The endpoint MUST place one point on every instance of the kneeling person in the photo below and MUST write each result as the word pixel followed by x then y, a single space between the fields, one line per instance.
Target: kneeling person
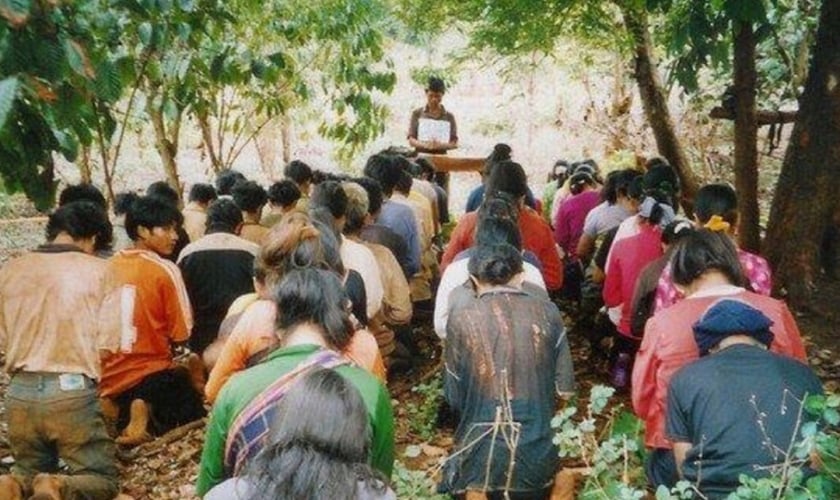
pixel 59 308
pixel 153 395
pixel 735 410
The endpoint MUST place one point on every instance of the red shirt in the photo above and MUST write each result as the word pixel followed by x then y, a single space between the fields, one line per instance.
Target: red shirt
pixel 668 345
pixel 536 237
pixel 627 259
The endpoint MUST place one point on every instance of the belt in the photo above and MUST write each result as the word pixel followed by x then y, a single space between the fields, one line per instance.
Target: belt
pixel 65 381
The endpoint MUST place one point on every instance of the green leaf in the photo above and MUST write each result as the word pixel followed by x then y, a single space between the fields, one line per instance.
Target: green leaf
pixel 67 144
pixel 8 93
pixel 108 84
pixel 831 416
pixel 186 5
pixel 16 12
pixel 145 31
pixel 184 31
pixel 77 59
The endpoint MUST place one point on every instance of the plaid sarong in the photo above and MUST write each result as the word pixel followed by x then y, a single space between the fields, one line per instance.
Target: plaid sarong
pixel 249 431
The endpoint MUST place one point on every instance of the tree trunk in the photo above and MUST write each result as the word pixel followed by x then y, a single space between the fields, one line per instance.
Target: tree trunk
pixel 746 136
pixel 806 192
pixel 655 103
pixel 166 148
pixel 207 134
pixel 85 169
pixel 286 138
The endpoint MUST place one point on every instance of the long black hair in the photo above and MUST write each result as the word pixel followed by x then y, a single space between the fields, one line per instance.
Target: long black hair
pixel 319 445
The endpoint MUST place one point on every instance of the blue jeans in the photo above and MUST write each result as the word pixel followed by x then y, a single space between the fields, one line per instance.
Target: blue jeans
pixel 47 422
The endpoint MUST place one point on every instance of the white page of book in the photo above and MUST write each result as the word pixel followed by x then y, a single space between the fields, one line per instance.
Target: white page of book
pixel 433 130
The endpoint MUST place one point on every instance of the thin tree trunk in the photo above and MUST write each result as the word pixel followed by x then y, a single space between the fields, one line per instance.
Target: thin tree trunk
pixel 806 196
pixel 746 136
pixel 166 148
pixel 655 103
pixel 85 169
pixel 207 134
pixel 286 138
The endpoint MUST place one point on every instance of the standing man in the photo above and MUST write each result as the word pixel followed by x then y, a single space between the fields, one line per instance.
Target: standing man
pixel 427 131
pixel 59 310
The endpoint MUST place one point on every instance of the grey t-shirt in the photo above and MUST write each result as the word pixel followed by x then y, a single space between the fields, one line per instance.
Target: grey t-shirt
pixel 602 218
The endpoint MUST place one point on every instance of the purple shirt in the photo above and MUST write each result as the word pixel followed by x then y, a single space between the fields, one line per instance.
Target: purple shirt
pixel 568 226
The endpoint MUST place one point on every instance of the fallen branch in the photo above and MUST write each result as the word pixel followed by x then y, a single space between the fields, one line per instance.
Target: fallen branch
pixel 762 117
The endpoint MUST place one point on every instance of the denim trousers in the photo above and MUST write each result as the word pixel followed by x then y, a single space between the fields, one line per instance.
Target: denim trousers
pixel 48 422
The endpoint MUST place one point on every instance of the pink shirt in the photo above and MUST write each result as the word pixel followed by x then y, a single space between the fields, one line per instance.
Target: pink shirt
pixel 755 269
pixel 568 225
pixel 668 345
pixel 626 261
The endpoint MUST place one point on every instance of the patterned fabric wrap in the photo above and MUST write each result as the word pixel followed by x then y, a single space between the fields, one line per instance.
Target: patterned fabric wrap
pixel 249 431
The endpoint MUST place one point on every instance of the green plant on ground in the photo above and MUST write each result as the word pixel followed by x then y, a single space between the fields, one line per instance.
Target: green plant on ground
pixel 422 415
pixel 608 441
pixel 414 484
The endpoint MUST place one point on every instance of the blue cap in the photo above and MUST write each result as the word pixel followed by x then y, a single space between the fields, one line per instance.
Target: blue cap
pixel 728 317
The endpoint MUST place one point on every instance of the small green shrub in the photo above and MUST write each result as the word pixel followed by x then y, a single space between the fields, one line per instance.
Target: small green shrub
pixel 414 484
pixel 422 416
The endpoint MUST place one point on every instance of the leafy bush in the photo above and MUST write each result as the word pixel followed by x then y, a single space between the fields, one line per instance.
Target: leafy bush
pixel 422 416
pixel 414 484
pixel 613 452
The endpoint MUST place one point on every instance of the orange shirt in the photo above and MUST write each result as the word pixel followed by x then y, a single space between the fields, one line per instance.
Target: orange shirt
pixel 255 332
pixel 155 315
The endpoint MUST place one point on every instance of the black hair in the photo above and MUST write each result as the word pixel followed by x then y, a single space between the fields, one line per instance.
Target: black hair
pixel 298 171
pixel 202 193
pixel 656 161
pixel 151 212
pixel 661 183
pixel 123 202
pixel 226 179
pixel 357 207
pixel 284 193
pixel 636 188
pixel 404 183
pixel 310 452
pixel 676 230
pixel 436 84
pixel 704 250
pixel 497 230
pixel 249 196
pixel 501 153
pixel 310 295
pixel 716 199
pixel 618 183
pixel 580 180
pixel 374 192
pixel 495 264
pixel 80 192
pixel 163 191
pixel 500 204
pixel 508 177
pixel 330 195
pixel 90 193
pixel 80 219
pixel 223 216
pixel 426 168
pixel 383 169
pixel 559 171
